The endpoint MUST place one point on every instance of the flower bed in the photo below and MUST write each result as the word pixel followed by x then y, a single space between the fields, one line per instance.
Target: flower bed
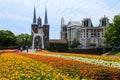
pixel 39 50
pixel 73 68
pixel 113 64
pixel 16 67
pixel 9 51
pixel 107 58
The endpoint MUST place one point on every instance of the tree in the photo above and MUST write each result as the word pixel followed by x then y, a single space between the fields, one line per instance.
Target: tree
pixel 74 43
pixel 112 32
pixel 24 39
pixel 7 38
pixel 93 44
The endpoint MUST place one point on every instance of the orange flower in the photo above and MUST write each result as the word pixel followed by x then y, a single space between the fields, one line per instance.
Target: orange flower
pixel 71 67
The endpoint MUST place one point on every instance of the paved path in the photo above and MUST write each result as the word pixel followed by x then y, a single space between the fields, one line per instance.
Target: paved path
pixel 30 51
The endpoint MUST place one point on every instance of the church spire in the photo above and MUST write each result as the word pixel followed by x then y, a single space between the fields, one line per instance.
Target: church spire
pixel 34 16
pixel 46 19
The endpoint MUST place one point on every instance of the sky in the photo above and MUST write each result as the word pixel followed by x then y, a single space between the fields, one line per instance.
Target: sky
pixel 17 15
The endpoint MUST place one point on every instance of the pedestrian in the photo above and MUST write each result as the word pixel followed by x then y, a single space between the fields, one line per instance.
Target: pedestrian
pixel 21 49
pixel 35 49
pixel 27 49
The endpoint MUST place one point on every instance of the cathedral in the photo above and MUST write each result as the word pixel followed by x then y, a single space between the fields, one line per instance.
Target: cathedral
pixel 39 32
pixel 84 31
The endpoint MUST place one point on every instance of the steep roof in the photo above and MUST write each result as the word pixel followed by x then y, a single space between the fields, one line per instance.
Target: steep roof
pixel 74 23
pixel 34 16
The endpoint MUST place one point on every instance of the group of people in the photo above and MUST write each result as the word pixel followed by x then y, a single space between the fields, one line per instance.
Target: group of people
pixel 26 47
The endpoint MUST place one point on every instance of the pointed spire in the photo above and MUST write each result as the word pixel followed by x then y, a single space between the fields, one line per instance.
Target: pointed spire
pixel 46 19
pixel 34 16
pixel 62 22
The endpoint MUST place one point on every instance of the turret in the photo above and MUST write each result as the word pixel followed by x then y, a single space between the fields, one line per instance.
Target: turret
pixel 46 19
pixel 104 21
pixel 39 22
pixel 62 22
pixel 87 22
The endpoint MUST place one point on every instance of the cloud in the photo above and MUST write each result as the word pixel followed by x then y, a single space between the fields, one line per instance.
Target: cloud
pixel 20 12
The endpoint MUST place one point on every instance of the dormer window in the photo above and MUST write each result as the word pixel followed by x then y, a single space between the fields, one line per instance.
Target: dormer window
pixel 104 21
pixel 87 22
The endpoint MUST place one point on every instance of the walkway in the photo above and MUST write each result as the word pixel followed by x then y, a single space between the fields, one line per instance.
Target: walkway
pixel 30 51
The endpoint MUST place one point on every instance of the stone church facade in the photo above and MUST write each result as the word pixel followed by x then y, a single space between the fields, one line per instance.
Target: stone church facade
pixel 39 32
pixel 84 31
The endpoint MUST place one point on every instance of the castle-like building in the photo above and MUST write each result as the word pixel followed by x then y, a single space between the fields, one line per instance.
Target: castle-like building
pixel 39 32
pixel 84 31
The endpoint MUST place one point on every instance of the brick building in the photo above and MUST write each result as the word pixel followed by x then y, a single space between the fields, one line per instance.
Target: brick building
pixel 39 32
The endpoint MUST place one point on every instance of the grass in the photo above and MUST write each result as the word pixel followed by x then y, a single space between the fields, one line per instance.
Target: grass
pixel 114 53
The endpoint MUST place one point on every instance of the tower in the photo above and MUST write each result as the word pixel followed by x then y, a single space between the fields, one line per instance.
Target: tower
pixel 62 23
pixel 46 30
pixel 34 25
pixel 37 32
pixel 34 16
pixel 39 22
pixel 46 19
pixel 63 32
pixel 104 21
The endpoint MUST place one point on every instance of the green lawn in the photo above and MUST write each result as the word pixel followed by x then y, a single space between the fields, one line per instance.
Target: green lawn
pixel 115 53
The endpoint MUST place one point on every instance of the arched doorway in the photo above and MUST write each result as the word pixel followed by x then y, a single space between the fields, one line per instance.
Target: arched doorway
pixel 40 43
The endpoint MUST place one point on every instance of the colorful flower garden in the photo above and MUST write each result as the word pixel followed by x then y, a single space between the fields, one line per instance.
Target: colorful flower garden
pixel 45 65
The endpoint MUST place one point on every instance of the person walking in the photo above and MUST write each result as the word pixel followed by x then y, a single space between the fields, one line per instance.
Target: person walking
pixel 21 49
pixel 27 49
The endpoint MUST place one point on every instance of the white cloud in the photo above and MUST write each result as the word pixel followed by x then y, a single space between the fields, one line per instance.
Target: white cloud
pixel 22 10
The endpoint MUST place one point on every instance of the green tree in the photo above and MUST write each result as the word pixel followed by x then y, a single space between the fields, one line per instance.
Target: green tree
pixel 7 38
pixel 93 44
pixel 24 39
pixel 112 32
pixel 74 43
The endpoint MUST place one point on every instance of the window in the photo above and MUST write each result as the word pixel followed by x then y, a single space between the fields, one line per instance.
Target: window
pixel 89 34
pixel 101 34
pixel 82 35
